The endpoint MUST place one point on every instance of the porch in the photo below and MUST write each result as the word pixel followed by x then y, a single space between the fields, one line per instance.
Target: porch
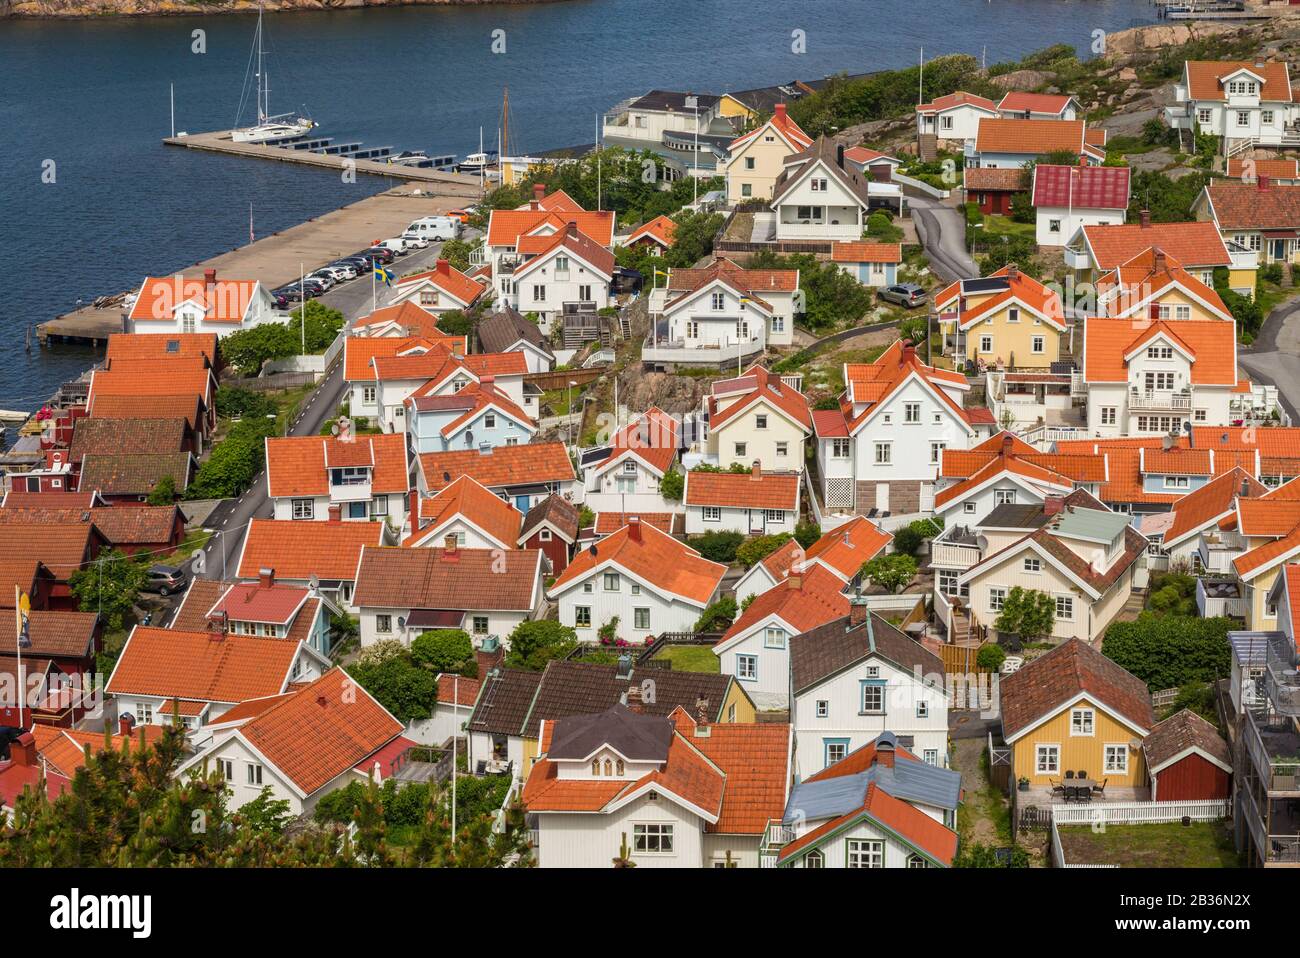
pixel 1043 796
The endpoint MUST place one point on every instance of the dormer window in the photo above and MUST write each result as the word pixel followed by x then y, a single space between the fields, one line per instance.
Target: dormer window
pixel 609 767
pixel 595 768
pixel 621 768
pixel 719 301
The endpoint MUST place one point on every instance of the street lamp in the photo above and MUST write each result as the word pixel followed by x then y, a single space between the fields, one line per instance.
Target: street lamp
pixel 693 104
pixel 568 408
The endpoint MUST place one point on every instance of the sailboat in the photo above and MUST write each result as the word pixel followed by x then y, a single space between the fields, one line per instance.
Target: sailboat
pixel 269 129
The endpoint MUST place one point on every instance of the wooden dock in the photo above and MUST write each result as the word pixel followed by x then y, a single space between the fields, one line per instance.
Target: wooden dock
pixel 275 259
pixel 220 142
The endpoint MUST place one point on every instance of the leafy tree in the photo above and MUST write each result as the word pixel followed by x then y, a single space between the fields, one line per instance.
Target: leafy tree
pixel 717 616
pixel 1171 651
pixel 323 326
pixel 807 532
pixel 234 462
pixel 533 644
pixel 693 237
pixel 235 402
pixel 1027 613
pixel 266 813
pixel 249 349
pixel 445 650
pixel 759 548
pixel 880 227
pixel 456 252
pixel 110 585
pixel 1173 594
pixel 1168 200
pixel 399 685
pixel 990 657
pixel 672 485
pixel 456 322
pixel 1246 311
pixel 831 296
pixel 163 492
pixel 586 517
pixel 717 546
pixel 907 540
pixel 890 572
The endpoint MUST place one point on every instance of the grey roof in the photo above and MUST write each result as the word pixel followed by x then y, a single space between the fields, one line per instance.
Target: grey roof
pixel 633 735
pixel 831 798
pixel 1097 524
pixel 504 701
pixel 498 332
pixel 835 646
pixel 1013 516
pixel 672 101
pixel 828 151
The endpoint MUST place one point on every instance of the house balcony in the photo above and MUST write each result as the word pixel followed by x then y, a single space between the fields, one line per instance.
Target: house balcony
pixel 1159 400
pixel 1077 259
pixel 1274 748
pixel 1217 597
pixel 350 492
pixel 1242 257
pixel 957 548
pixel 1218 549
pixel 682 352
pixel 775 837
pixel 1277 835
pixel 1180 116
pixel 1283 684
pixel 582 308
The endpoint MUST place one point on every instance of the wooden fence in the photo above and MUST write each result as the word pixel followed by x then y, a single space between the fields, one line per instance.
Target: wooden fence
pixel 560 378
pixel 273 381
pixel 1164 698
pixel 676 638
pixel 960 659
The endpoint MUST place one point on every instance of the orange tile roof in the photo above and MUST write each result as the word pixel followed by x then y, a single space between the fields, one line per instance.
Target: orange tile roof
pixel 458 580
pixel 755 758
pixel 1292 573
pixel 1266 516
pixel 1033 295
pixel 871 383
pixel 803 601
pixel 1252 206
pixel 1198 244
pixel 533 463
pixel 866 252
pixel 299 550
pixel 1209 503
pixel 913 825
pixel 1177 461
pixel 669 522
pixel 846 547
pixel 768 490
pixel 1000 135
pixel 506 227
pixel 458 689
pixel 1212 344
pixel 359 352
pixel 1273 441
pixel 1257 560
pixel 766 387
pixel 417 321
pixel 1002 465
pixel 142 377
pixel 65 748
pixel 655 557
pixel 299 465
pixel 202 666
pixel 466 499
pixel 226 301
pixel 753 281
pixel 1017 101
pixel 1204 79
pixel 557 200
pixel 783 124
pixel 652 437
pixel 321 731
pixel 953 100
pixel 447 278
pixel 865 155
pixel 136 346
pixel 1279 169
pixel 660 229
pixel 1142 279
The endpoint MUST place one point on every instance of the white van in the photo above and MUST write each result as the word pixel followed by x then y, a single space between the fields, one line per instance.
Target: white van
pixel 435 228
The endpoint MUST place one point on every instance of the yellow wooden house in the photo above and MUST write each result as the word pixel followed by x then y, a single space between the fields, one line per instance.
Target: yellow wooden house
pixel 1007 319
pixel 1074 710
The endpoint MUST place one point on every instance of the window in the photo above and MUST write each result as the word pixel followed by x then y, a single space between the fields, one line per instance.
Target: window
pixel 1243 118
pixel 916 861
pixel 489 420
pixel 741 450
pixel 595 768
pixel 873 697
pixel 1033 565
pixel 1065 608
pixel 922 709
pixel 480 625
pixel 254 774
pixel 1204 116
pixel 778 324
pixel 936 451
pixel 539 294
pixel 227 769
pixel 378 506
pixel 1053 226
pixel 997 596
pixel 823 708
pixel 883 453
pixel 641 618
pixel 1038 344
pixel 1161 352
pixel 303 509
pixel 760 422
pixel 731 712
pixel 636 589
pixel 782 449
pixel 749 162
pixel 1116 759
pixel 1004 497
pixel 145 710
pixel 1266 117
pixel 834 750
pixel 774 637
pixel 653 839
pixel 986 344
pixel 1176 482
pixel 775 516
pixel 1013 315
pixel 611 582
pixel 1083 722
pixel 747 667
pixel 582 616
pixel 544 535
pixel 817 184
pixel 969 508
pixel 911 412
pixel 746 189
pixel 712 513
pixel 383 624
pixel 930 756
pixel 865 854
pixel 1047 759
pixel 368 395
pixel 1109 415
pixel 1199 415
pixel 839 449
pixel 718 301
pixel 588 587
pixel 814 859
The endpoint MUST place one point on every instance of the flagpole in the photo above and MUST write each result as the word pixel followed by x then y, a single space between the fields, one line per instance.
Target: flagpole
pixel 18 645
pixel 455 700
pixel 374 286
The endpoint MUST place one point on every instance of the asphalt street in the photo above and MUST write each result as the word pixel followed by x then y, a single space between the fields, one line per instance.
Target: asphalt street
pixel 942 231
pixel 1274 358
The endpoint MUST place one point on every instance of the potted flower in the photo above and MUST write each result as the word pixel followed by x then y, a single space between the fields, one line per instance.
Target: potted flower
pixel 608 631
pixel 1024 783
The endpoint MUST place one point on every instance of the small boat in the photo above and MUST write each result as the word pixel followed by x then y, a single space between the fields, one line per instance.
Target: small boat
pixel 269 129
pixel 477 162
pixel 416 158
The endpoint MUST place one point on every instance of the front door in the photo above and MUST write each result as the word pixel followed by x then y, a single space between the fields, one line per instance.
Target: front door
pixel 522 503
pixel 756 522
pixel 1277 250
pixel 882 496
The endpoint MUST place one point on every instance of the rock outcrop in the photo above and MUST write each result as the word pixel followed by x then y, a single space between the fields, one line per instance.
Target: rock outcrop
pixel 81 9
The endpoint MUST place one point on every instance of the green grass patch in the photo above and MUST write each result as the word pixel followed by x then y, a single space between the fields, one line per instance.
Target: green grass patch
pixel 1168 845
pixel 690 658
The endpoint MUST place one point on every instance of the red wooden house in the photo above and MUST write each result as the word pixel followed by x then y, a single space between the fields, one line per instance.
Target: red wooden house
pixel 993 189
pixel 1187 759
pixel 552 527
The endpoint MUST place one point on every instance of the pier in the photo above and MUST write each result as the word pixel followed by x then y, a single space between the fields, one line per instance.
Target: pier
pixel 276 258
pixel 221 142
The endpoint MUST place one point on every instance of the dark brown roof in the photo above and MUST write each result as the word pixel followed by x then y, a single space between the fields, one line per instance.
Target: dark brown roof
pixel 1135 545
pixel 465 579
pixel 121 525
pixel 1181 731
pixel 824 149
pixel 504 702
pixel 833 647
pixel 561 514
pixel 61 547
pixel 1247 206
pixel 134 474
pixel 584 688
pixel 498 332
pixel 1040 688
pixel 117 436
pixel 60 634
pixel 202 595
pixel 634 735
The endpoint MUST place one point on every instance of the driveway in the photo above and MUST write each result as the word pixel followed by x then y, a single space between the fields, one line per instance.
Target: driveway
pixel 230 519
pixel 1274 358
pixel 942 231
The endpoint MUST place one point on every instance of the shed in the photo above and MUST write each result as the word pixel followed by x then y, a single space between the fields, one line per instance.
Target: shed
pixel 1187 759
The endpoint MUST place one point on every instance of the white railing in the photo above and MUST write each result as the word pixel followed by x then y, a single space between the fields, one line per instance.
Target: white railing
pixel 1058 853
pixel 920 186
pixel 1159 399
pixel 943 611
pixel 949 554
pixel 1135 813
pixel 679 351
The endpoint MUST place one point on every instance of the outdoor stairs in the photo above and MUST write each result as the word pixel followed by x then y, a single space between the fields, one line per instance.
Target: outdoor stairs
pixel 927 147
pixel 961 627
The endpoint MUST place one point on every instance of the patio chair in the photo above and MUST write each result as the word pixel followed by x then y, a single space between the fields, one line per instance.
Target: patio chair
pixel 1069 774
pixel 1055 785
pixel 1100 789
pixel 1081 774
pixel 1082 795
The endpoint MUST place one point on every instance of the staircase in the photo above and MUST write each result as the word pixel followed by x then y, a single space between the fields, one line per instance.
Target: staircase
pixel 961 631
pixel 927 147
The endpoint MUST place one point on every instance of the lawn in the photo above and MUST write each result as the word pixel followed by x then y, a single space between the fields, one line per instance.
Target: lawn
pixel 1171 845
pixel 690 658
pixel 194 539
pixel 995 225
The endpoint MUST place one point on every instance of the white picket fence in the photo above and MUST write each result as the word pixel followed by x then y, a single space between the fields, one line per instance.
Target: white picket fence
pixel 1129 813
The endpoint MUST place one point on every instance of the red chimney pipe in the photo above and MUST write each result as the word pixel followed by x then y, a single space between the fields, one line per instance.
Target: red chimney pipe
pixel 634 528
pixel 442 267
pixel 266 578
pixel 539 192
pixel 1146 219
pixel 780 110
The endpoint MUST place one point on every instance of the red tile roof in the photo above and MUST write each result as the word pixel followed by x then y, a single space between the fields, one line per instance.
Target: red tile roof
pixel 468 500
pixel 953 100
pixel 299 550
pixel 1081 187
pixel 653 556
pixel 992 179
pixel 783 125
pixel 1254 206
pixel 1209 503
pixel 254 602
pixel 455 580
pixel 225 301
pixel 1205 79
pixel 359 352
pixel 135 346
pixel 1279 169
pixel 866 252
pixel 652 437
pixel 447 278
pixel 201 666
pixel 1141 280
pixel 1211 343
pixel 610 522
pixel 870 384
pixel 1197 244
pixel 299 465
pixel 1038 137
pixel 766 387
pixel 507 227
pixel 660 229
pixel 755 758
pixel 458 689
pixel 846 547
pixel 768 490
pixel 534 463
pixel 803 601
pixel 1017 101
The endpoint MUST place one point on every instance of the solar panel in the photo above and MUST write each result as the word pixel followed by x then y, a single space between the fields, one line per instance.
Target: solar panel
pixel 989 284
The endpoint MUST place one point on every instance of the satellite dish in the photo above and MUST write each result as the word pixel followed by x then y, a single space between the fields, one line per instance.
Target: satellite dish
pixel 401 621
pixel 314 582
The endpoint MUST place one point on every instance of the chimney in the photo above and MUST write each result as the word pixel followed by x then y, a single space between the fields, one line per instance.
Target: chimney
pixel 1052 505
pixel 322 701
pixel 571 228
pixel 780 111
pixel 909 351
pixel 489 655
pixel 857 610
pixel 1007 442
pixel 1167 442
pixel 756 470
pixel 884 750
pixel 1013 272
pixel 335 512
pixel 1245 488
pixel 1158 260
pixel 209 278
pixel 414 509
pixel 124 724
pixel 1146 219
pixel 265 578
pixel 839 156
pixel 1262 183
pixel 442 268
pixel 486 380
pixel 624 671
pixel 23 750
pixel 451 552
pixel 634 698
pixel 634 528
pixel 539 192
pixel 794 582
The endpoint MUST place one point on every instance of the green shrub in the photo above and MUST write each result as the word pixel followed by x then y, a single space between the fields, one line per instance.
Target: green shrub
pixel 990 657
pixel 533 644
pixel 445 650
pixel 717 616
pixel 1171 651
pixel 755 550
pixel 806 533
pixel 717 546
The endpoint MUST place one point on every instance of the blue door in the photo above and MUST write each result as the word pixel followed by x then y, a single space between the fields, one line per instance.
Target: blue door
pixel 522 503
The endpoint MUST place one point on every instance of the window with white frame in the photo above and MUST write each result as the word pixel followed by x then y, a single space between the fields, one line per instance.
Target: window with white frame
pixel 774 637
pixel 1115 760
pixel 1083 722
pixel 997 595
pixel 884 453
pixel 864 853
pixel 782 449
pixel 1053 226
pixel 930 756
pixel 1013 315
pixel 368 395
pixel 1266 117
pixel 1204 116
pixel 227 769
pixel 911 412
pixel 1047 759
pixel 823 708
pixel 1065 608
pixel 712 513
pixel 144 712
pixel 969 507
pixel 641 618
pixel 1004 497
pixel 839 449
pixel 304 509
pixel 1109 415
pixel 741 450
pixel 611 582
pixel 1033 564
pixel 383 624
pixel 760 421
pixel 1161 352
pixel 582 616
pixel 254 774
pixel 774 516
pixel 873 697
pixel 814 859
pixel 1243 118
pixel 1038 344
pixel 746 666
pixel 986 344
pixel 653 838
pixel 718 301
pixel 539 294
pixel 922 709
pixel 936 451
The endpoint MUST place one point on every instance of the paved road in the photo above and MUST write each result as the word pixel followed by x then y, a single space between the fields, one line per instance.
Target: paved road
pixel 230 519
pixel 1274 358
pixel 942 231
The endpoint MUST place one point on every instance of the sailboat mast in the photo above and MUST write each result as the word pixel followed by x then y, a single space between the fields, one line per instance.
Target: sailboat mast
pixel 261 107
pixel 505 122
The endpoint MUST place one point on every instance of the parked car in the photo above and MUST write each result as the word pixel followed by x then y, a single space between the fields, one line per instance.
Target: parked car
pixel 164 579
pixel 358 261
pixel 312 288
pixel 279 300
pixel 381 253
pixel 416 242
pixel 397 244
pixel 291 294
pixel 339 272
pixel 325 279
pixel 462 215
pixel 351 269
pixel 904 294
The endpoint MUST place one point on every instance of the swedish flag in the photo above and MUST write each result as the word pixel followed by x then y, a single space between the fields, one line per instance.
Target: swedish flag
pixel 385 276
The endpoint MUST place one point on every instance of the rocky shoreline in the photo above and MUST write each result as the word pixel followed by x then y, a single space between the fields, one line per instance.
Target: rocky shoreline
pixel 98 9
